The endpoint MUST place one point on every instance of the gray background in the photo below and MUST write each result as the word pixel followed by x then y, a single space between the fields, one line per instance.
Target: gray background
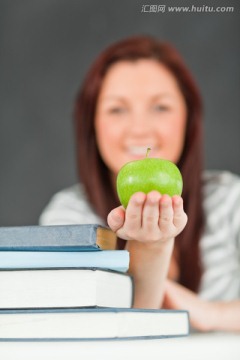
pixel 47 45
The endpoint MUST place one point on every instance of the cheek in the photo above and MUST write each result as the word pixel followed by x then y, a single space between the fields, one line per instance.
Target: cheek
pixel 173 129
pixel 179 131
pixel 108 136
pixel 172 137
pixel 178 138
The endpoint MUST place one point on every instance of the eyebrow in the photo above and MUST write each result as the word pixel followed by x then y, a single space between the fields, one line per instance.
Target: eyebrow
pixel 113 97
pixel 162 95
pixel 122 98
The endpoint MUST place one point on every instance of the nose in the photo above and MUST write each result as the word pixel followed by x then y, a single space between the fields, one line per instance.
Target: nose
pixel 139 125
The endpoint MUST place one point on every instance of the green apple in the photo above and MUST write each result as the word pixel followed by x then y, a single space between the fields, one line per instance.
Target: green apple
pixel 146 175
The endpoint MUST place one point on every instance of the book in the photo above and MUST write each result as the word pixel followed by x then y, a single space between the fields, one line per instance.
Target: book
pixel 84 237
pixel 59 288
pixel 117 260
pixel 92 324
pixel 199 346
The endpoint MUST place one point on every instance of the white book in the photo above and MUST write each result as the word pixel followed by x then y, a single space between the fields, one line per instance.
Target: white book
pixel 92 324
pixel 59 288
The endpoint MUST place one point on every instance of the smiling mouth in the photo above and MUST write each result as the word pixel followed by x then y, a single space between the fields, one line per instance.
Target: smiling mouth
pixel 139 150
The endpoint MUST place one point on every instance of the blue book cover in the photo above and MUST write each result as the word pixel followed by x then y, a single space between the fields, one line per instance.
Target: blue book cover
pixel 117 260
pixel 83 237
pixel 92 324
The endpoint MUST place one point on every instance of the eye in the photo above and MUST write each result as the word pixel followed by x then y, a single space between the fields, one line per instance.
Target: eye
pixel 160 108
pixel 116 110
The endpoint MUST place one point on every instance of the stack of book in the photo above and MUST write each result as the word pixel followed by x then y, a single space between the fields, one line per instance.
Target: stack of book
pixel 69 283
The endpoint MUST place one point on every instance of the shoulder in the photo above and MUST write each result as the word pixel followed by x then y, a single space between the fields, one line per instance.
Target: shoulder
pixel 221 187
pixel 215 179
pixel 73 195
pixel 69 206
pixel 221 201
pixel 220 242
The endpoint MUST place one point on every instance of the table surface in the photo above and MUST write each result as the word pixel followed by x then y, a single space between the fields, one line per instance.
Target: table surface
pixel 220 346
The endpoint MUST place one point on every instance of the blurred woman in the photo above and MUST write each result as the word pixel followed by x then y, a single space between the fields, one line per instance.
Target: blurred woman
pixel 184 251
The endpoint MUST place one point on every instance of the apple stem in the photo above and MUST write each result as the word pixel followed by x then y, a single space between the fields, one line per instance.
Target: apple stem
pixel 148 151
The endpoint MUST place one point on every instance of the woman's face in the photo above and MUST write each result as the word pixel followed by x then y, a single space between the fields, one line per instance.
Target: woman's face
pixel 140 105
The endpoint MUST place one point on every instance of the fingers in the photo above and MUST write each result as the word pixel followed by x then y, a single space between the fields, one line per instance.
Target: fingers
pixel 127 223
pixel 165 213
pixel 134 211
pixel 149 217
pixel 151 211
pixel 116 218
pixel 180 217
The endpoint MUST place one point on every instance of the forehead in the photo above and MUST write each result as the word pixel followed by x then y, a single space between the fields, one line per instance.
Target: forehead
pixel 143 74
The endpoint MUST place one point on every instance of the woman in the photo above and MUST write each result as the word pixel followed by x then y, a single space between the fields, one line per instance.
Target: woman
pixel 139 94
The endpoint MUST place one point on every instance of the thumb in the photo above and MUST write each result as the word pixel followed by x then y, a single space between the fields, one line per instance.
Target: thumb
pixel 116 218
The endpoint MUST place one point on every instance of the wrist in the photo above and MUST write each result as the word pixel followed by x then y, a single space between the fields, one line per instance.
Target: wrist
pixel 162 245
pixel 149 264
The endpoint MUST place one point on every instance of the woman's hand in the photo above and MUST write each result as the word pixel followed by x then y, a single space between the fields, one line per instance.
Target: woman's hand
pixel 201 312
pixel 204 315
pixel 149 219
pixel 150 223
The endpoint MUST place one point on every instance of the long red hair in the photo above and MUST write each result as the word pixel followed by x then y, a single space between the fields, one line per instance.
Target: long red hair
pixel 94 174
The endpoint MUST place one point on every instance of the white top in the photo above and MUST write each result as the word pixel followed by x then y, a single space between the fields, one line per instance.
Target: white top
pixel 220 243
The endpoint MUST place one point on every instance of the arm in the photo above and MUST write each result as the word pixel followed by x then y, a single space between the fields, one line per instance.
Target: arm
pixel 204 315
pixel 226 316
pixel 149 267
pixel 150 224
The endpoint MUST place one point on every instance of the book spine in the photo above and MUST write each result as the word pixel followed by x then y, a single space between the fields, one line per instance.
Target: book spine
pixel 59 237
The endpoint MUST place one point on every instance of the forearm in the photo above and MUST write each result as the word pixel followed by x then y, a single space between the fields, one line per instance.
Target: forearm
pixel 149 267
pixel 226 316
